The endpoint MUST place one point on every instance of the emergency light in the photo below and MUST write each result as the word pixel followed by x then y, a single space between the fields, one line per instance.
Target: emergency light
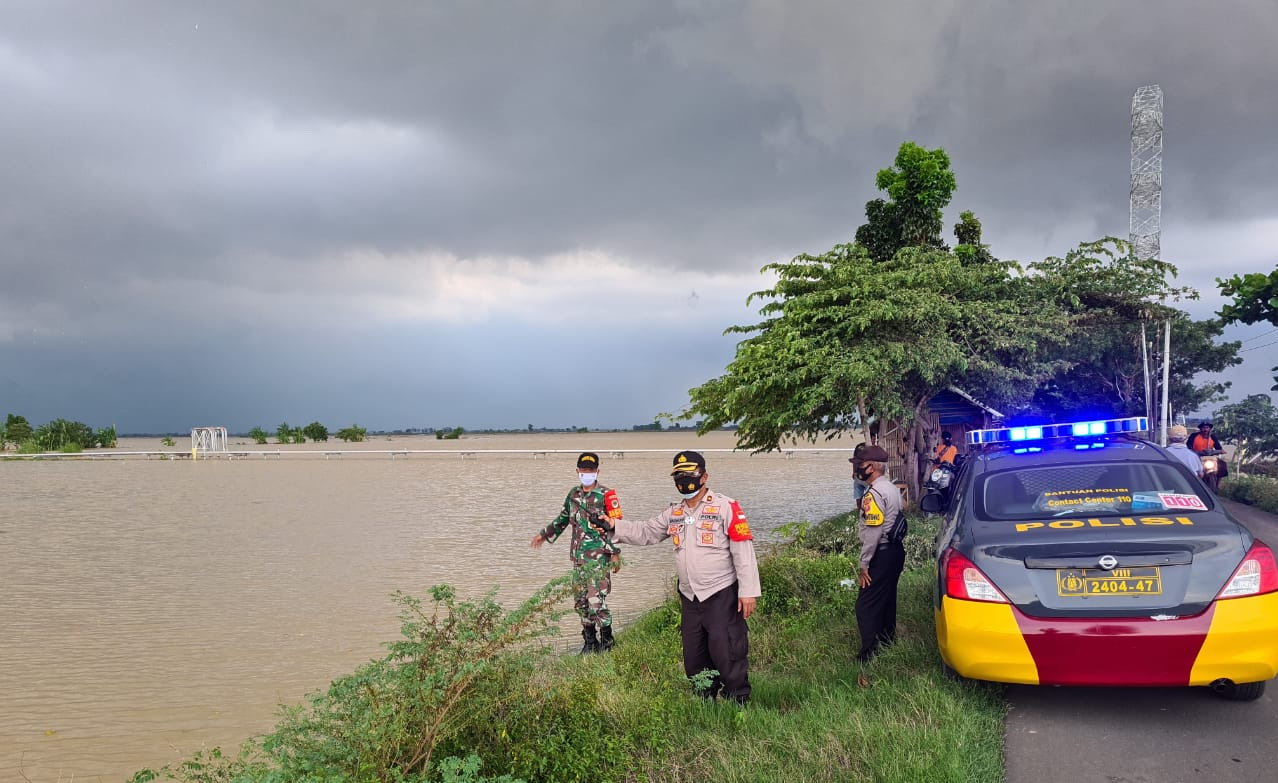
pixel 1075 429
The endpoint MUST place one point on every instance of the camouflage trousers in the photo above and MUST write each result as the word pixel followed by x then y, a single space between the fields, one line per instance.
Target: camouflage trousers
pixel 590 596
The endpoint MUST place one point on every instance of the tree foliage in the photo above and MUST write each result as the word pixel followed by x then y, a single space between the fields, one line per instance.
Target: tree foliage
pixel 316 432
pixel 846 336
pixel 919 185
pixel 1251 425
pixel 16 430
pixel 970 249
pixel 1106 294
pixel 64 435
pixel 258 435
pixel 1255 300
pixel 287 434
pixel 352 434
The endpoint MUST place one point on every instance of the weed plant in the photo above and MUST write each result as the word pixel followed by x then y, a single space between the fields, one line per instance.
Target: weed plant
pixel 464 685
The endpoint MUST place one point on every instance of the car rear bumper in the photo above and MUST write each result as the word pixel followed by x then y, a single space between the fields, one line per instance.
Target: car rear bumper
pixel 1235 639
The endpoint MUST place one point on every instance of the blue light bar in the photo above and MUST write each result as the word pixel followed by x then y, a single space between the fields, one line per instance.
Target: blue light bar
pixel 1077 429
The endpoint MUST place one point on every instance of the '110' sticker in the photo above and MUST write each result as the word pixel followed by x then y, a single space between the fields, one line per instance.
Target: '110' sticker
pixel 1171 500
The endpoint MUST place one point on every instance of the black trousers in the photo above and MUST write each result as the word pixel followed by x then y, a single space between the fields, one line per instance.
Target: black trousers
pixel 715 637
pixel 876 604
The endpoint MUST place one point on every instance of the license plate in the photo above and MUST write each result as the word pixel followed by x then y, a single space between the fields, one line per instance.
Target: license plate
pixel 1082 582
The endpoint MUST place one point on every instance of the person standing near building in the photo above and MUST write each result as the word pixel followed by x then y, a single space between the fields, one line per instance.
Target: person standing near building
pixel 1176 435
pixel 946 451
pixel 718 575
pixel 590 545
pixel 882 531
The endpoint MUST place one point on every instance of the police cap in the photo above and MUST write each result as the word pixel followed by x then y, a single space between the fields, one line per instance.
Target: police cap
pixel 688 461
pixel 871 454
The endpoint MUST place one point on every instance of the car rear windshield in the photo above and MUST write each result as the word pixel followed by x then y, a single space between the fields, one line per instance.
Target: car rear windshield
pixel 1095 489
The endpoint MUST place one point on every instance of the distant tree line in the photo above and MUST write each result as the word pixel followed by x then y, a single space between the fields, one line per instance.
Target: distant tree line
pixel 316 432
pixel 61 435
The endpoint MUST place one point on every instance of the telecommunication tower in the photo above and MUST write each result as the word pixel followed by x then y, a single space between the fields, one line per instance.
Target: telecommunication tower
pixel 1146 222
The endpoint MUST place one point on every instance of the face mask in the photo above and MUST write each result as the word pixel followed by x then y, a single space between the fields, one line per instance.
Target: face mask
pixel 862 473
pixel 588 478
pixel 689 485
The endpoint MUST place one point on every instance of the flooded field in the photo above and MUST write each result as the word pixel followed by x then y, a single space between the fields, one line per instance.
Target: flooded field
pixel 154 607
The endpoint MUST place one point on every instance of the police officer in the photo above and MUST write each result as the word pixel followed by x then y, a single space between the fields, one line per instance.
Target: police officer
pixel 590 545
pixel 882 531
pixel 718 575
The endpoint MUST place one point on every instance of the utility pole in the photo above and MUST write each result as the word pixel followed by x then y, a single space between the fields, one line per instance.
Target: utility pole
pixel 1144 355
pixel 1166 412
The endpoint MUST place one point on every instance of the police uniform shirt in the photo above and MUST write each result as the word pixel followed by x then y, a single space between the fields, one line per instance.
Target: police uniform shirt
pixel 880 510
pixel 712 544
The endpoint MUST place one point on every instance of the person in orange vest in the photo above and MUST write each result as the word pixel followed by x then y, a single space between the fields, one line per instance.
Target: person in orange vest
pixel 946 451
pixel 1204 440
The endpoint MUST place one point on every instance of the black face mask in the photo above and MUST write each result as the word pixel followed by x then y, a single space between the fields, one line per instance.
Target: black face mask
pixel 861 472
pixel 689 484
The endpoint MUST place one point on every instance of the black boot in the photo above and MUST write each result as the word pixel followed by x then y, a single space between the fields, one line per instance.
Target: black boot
pixel 605 638
pixel 592 642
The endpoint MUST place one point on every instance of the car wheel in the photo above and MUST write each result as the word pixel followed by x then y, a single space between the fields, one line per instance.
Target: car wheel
pixel 1241 691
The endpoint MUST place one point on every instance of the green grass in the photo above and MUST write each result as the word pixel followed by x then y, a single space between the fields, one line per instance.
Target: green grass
pixel 629 715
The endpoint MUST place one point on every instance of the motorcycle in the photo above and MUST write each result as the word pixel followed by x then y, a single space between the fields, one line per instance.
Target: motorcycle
pixel 938 487
pixel 1212 467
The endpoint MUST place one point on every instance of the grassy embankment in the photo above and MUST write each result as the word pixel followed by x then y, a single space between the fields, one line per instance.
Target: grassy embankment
pixel 629 715
pixel 1258 491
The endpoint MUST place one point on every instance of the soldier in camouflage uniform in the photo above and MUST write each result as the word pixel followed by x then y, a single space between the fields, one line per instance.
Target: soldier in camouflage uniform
pixel 590 500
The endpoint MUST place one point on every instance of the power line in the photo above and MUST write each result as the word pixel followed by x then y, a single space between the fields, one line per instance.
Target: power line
pixel 1257 347
pixel 1263 334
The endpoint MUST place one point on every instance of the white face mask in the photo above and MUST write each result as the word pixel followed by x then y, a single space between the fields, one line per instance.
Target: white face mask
pixel 588 479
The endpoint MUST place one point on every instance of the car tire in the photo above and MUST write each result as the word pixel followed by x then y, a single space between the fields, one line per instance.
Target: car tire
pixel 1242 691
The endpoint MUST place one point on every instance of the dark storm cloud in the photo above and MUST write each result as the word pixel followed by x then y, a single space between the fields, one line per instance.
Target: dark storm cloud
pixel 170 167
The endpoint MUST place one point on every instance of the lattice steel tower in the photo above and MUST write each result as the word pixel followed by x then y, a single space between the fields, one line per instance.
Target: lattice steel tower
pixel 1146 223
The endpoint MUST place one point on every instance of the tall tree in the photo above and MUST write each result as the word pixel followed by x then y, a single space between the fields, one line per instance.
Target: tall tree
pixel 919 186
pixel 1252 426
pixel 846 337
pixel 1105 373
pixel 1107 293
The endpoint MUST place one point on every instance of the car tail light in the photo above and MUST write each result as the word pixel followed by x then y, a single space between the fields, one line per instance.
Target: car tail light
pixel 965 581
pixel 1256 574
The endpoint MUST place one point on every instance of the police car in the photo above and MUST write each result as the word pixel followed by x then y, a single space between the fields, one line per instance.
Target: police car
pixel 1083 554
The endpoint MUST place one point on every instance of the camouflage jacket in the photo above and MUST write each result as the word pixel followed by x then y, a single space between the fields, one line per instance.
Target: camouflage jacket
pixel 580 507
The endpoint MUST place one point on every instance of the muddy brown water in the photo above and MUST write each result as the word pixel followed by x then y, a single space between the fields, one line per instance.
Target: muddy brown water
pixel 150 608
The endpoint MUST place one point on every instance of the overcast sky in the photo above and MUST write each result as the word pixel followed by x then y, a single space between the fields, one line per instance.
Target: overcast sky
pixel 416 214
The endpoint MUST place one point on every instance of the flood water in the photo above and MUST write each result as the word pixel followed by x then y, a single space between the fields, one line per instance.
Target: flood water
pixel 150 607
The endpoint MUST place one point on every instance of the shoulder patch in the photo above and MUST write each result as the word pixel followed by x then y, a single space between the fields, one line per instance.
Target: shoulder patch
pixel 612 504
pixel 739 528
pixel 871 514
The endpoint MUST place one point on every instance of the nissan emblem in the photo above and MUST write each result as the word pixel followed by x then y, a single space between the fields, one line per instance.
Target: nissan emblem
pixel 1107 562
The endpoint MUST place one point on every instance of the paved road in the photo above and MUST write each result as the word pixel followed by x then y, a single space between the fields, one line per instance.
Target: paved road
pixel 1137 735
